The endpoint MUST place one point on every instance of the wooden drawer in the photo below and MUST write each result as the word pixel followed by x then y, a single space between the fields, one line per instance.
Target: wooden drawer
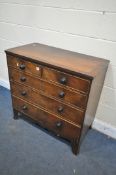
pixel 74 98
pixel 23 65
pixel 58 108
pixel 21 77
pixel 66 79
pixel 55 88
pixel 47 120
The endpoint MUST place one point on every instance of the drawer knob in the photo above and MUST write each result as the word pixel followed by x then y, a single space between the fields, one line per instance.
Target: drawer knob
pixel 23 93
pixel 63 80
pixel 60 109
pixel 59 124
pixel 24 107
pixel 23 79
pixel 61 94
pixel 22 66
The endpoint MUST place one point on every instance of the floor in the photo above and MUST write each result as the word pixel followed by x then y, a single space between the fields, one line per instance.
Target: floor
pixel 27 150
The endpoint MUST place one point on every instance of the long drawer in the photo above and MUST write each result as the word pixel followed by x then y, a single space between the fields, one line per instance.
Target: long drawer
pixel 21 77
pixel 47 120
pixel 57 107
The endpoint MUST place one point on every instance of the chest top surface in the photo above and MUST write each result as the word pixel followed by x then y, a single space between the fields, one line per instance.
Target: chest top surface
pixel 72 61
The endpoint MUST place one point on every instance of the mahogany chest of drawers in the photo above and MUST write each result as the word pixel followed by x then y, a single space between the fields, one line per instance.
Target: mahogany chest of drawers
pixel 55 88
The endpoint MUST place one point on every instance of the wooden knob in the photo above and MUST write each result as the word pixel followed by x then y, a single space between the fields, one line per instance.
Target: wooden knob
pixel 60 109
pixel 23 93
pixel 24 107
pixel 63 80
pixel 22 66
pixel 59 124
pixel 61 94
pixel 23 79
pixel 19 114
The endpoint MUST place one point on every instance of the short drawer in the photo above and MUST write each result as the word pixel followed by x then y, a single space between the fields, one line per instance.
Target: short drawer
pixel 65 79
pixel 71 114
pixel 72 97
pixel 21 77
pixel 24 65
pixel 47 120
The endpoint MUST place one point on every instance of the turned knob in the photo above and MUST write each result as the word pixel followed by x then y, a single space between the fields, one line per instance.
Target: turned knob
pixel 22 66
pixel 61 94
pixel 23 93
pixel 24 107
pixel 63 80
pixel 59 124
pixel 60 109
pixel 23 79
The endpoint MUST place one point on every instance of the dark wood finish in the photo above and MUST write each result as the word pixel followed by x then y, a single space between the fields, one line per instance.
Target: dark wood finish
pixel 58 89
pixel 93 100
pixel 25 66
pixel 76 63
pixel 58 108
pixel 59 77
pixel 47 120
pixel 74 98
pixel 21 77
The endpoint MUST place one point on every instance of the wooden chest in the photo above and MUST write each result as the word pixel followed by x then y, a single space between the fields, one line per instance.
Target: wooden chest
pixel 57 89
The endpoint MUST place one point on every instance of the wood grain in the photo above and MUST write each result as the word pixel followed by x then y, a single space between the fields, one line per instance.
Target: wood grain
pixel 47 120
pixel 25 66
pixel 71 61
pixel 68 113
pixel 70 81
pixel 58 89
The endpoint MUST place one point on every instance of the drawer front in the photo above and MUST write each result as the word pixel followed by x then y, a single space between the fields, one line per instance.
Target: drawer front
pixel 20 77
pixel 58 108
pixel 47 120
pixel 23 65
pixel 66 80
pixel 74 98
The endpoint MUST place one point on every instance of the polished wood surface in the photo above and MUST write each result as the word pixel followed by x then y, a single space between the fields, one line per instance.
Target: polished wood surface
pixel 47 120
pixel 72 97
pixel 66 79
pixel 61 78
pixel 21 77
pixel 25 66
pixel 75 62
pixel 58 89
pixel 65 111
pixel 76 98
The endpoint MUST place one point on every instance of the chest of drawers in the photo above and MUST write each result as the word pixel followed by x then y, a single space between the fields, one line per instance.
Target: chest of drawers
pixel 55 88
